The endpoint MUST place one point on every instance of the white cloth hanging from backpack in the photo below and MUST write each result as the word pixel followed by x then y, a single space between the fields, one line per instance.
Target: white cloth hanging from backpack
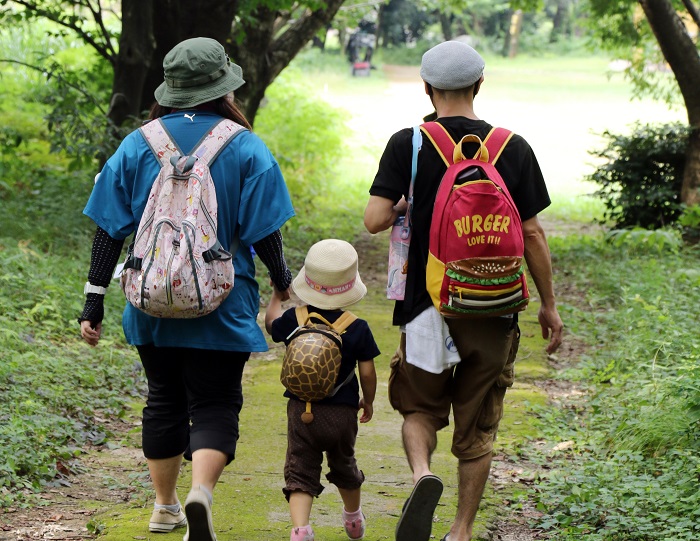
pixel 429 345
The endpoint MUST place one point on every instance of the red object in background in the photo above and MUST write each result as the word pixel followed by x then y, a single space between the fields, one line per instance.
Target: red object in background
pixel 361 68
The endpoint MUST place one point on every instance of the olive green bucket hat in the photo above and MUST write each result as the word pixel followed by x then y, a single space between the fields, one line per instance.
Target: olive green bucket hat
pixel 197 70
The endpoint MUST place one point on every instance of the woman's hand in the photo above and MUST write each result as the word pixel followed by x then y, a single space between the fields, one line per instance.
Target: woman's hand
pixel 90 335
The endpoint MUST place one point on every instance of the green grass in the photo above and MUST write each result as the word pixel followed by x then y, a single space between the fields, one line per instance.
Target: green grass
pixel 636 427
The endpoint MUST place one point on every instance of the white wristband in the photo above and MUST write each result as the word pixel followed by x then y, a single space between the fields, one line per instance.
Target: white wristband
pixel 89 288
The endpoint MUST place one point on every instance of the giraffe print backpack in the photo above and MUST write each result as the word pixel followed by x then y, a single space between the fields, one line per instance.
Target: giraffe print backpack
pixel 311 362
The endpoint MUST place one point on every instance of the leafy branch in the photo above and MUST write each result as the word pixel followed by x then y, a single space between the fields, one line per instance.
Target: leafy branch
pixel 62 16
pixel 60 78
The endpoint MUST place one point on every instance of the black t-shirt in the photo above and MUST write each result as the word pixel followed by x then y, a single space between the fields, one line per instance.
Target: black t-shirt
pixel 517 166
pixel 358 345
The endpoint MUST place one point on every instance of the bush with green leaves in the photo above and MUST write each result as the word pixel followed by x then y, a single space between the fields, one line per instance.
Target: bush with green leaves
pixel 305 134
pixel 55 391
pixel 66 86
pixel 689 221
pixel 641 174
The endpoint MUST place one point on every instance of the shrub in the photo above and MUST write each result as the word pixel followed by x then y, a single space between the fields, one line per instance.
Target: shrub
pixel 641 175
pixel 64 87
pixel 632 470
pixel 307 141
pixel 689 221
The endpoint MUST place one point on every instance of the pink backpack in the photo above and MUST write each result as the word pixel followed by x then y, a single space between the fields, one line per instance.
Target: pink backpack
pixel 176 267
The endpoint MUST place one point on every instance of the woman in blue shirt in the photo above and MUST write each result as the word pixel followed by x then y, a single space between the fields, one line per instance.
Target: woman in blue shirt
pixel 193 366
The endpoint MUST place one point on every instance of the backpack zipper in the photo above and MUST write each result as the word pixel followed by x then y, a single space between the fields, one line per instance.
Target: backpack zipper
pixel 190 252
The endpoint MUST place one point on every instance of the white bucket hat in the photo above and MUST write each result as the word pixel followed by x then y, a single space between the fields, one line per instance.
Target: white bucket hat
pixel 329 278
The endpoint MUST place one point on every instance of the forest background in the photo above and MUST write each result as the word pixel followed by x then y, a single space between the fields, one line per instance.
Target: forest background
pixel 601 441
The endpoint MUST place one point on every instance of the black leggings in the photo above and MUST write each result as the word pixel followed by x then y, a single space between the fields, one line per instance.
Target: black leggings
pixel 194 399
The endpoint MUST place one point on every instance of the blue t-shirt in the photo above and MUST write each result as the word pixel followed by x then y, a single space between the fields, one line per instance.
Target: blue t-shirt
pixel 253 202
pixel 358 346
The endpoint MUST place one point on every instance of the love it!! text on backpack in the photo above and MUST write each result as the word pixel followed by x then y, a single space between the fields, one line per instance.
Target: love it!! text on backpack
pixel 176 267
pixel 312 359
pixel 475 260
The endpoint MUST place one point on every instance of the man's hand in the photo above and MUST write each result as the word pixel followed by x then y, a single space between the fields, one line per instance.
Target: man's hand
pixel 552 327
pixel 90 335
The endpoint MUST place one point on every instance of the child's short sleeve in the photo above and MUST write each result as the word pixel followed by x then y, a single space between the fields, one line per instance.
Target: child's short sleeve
pixel 283 326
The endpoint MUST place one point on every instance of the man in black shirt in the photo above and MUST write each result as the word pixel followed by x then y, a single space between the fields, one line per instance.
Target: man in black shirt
pixel 421 388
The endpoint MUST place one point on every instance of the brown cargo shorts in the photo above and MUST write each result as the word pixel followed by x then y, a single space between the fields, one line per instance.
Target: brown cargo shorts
pixel 473 389
pixel 333 432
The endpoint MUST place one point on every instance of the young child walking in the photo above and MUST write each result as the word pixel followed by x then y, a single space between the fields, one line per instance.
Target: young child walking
pixel 328 282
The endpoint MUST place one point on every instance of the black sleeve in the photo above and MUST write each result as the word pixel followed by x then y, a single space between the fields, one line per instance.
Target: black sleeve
pixel 366 348
pixel 105 255
pixel 271 252
pixel 284 325
pixel 394 173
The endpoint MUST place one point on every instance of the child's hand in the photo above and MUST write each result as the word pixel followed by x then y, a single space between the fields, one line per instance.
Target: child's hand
pixel 367 411
pixel 274 307
pixel 279 295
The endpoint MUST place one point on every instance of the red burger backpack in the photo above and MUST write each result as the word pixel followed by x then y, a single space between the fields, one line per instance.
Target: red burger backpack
pixel 475 260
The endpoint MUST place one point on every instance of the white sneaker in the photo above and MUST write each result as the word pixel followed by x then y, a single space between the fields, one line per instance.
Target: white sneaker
pixel 198 512
pixel 164 521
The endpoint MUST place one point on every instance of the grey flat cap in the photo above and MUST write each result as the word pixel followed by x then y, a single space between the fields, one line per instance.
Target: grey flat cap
pixel 451 65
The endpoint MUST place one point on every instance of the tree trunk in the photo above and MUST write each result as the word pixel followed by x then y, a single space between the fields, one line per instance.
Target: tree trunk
pixel 690 189
pixel 263 54
pixel 446 25
pixel 136 46
pixel 510 48
pixel 681 54
pixel 180 20
pixel 150 28
pixel 560 20
pixel 380 13
pixel 251 54
pixel 145 40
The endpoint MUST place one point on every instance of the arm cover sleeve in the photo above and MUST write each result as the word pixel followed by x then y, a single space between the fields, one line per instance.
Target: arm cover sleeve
pixel 271 253
pixel 105 255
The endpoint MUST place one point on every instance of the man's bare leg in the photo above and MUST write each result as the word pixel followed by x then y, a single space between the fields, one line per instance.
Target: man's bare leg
pixel 473 475
pixel 419 442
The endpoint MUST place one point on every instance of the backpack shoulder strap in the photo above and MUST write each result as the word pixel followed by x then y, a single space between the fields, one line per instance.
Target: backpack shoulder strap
pixel 302 313
pixel 318 317
pixel 496 141
pixel 343 322
pixel 160 141
pixel 213 142
pixel 441 140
